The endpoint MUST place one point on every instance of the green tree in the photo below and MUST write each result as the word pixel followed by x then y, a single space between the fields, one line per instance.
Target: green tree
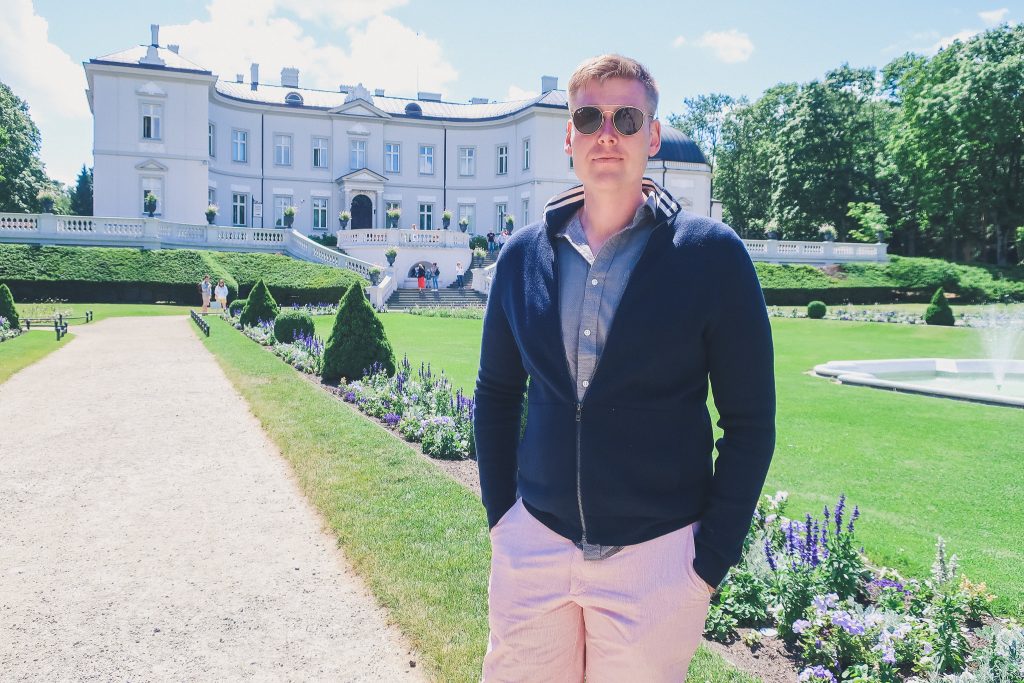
pixel 702 120
pixel 81 196
pixel 357 340
pixel 939 311
pixel 21 171
pixel 8 311
pixel 870 219
pixel 259 307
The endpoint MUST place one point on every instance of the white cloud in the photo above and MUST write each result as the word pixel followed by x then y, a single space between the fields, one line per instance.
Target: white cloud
pixel 728 46
pixel 963 36
pixel 382 52
pixel 339 14
pixel 53 84
pixel 994 17
pixel 517 93
pixel 679 41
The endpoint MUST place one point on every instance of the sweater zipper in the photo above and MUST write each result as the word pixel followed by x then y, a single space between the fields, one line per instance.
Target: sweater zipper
pixel 579 487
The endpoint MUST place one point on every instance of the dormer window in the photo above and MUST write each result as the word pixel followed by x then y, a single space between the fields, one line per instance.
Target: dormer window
pixel 293 99
pixel 413 109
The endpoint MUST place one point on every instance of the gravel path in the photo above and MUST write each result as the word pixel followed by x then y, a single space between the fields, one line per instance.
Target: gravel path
pixel 139 542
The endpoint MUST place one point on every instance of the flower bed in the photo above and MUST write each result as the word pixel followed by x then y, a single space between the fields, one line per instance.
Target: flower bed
pixel 6 331
pixel 469 312
pixel 305 354
pixel 875 316
pixel 806 582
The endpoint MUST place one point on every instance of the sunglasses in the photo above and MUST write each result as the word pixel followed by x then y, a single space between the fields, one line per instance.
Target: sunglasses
pixel 627 120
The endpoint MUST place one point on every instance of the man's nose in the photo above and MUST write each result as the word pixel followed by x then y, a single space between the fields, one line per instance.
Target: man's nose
pixel 607 133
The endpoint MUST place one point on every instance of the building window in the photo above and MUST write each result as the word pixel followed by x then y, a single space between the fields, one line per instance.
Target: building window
pixel 427 159
pixel 239 202
pixel 501 209
pixel 388 206
pixel 467 161
pixel 240 146
pixel 502 159
pixel 426 216
pixel 319 152
pixel 356 154
pixel 524 215
pixel 212 142
pixel 153 186
pixel 526 154
pixel 319 213
pixel 468 211
pixel 283 150
pixel 151 121
pixel 211 196
pixel 280 204
pixel 392 157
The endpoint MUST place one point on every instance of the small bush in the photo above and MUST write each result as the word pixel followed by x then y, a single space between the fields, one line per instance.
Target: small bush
pixel 477 242
pixel 939 312
pixel 8 311
pixel 357 340
pixel 236 306
pixel 816 310
pixel 259 306
pixel 289 325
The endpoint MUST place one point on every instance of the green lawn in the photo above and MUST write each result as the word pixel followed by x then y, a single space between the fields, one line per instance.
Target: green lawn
pixel 918 467
pixel 27 348
pixel 418 538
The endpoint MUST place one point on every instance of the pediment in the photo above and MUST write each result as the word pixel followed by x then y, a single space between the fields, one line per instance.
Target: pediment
pixel 151 165
pixel 362 175
pixel 150 89
pixel 361 108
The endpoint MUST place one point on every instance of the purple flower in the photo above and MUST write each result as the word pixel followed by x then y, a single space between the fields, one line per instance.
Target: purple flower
pixel 801 625
pixel 350 397
pixel 770 555
pixel 816 673
pixel 839 513
pixel 848 623
pixel 391 419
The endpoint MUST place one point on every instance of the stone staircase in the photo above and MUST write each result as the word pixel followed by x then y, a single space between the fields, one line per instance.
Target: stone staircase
pixel 448 297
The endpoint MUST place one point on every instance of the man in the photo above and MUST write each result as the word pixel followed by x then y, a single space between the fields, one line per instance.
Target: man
pixel 206 289
pixel 618 306
pixel 435 273
pixel 490 242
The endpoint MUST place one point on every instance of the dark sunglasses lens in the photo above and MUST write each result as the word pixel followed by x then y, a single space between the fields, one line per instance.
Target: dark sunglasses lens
pixel 587 120
pixel 629 120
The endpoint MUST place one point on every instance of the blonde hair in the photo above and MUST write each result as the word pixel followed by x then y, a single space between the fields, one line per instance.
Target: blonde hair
pixel 608 66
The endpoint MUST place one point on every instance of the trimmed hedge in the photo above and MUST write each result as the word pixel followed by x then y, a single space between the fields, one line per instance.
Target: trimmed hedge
pixel 939 312
pixel 260 306
pixel 816 310
pixel 236 306
pixel 8 311
pixel 110 274
pixel 288 325
pixel 357 341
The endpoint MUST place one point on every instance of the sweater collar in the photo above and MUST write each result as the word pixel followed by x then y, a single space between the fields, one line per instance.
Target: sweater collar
pixel 563 206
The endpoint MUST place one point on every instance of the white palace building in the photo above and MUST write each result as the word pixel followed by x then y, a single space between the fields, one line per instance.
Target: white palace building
pixel 171 127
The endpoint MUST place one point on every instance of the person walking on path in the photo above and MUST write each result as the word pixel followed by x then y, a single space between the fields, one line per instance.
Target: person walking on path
pixel 221 295
pixel 502 238
pixel 459 272
pixel 421 278
pixel 435 273
pixel 610 523
pixel 206 289
pixel 490 242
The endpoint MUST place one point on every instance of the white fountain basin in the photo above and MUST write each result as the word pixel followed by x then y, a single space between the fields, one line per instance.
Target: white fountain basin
pixel 967 380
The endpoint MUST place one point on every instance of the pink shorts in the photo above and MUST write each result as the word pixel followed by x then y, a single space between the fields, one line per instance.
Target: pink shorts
pixel 635 616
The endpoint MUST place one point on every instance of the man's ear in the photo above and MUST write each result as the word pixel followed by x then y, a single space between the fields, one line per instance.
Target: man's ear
pixel 655 138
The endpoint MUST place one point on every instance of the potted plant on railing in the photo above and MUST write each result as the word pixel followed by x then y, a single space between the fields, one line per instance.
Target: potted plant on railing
pixel 510 222
pixel 211 213
pixel 463 224
pixel 393 216
pixel 828 232
pixel 289 216
pixel 343 218
pixel 374 274
pixel 150 203
pixel 446 218
pixel 391 254
pixel 478 257
pixel 46 198
pixel 771 230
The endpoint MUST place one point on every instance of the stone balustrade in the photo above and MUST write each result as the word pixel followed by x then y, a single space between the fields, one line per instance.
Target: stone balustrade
pixel 402 238
pixel 815 253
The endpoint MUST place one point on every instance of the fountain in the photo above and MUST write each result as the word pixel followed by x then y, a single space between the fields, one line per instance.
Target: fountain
pixel 998 379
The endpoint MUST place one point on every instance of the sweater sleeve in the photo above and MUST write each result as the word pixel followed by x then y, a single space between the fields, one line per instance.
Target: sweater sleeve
pixel 500 384
pixel 741 369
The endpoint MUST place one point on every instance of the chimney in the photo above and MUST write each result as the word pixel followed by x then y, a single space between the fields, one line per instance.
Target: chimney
pixel 428 96
pixel 254 75
pixel 173 48
pixel 378 92
pixel 478 100
pixel 290 77
pixel 154 32
pixel 239 78
pixel 548 83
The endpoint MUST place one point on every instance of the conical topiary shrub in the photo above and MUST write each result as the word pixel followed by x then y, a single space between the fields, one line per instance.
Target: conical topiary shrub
pixel 357 340
pixel 939 312
pixel 7 309
pixel 259 306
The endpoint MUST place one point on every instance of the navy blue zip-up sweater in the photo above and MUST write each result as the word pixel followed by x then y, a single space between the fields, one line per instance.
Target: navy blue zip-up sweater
pixel 633 459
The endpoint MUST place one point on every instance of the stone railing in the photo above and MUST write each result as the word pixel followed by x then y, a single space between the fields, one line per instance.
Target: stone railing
pixel 402 238
pixel 482 279
pixel 814 253
pixel 153 233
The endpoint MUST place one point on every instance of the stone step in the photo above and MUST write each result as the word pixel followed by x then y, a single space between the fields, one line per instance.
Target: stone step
pixel 453 298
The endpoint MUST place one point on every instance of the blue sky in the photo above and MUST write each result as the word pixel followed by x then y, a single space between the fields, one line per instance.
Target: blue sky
pixel 466 48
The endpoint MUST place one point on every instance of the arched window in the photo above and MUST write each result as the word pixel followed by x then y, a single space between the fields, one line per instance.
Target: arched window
pixel 413 109
pixel 294 99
